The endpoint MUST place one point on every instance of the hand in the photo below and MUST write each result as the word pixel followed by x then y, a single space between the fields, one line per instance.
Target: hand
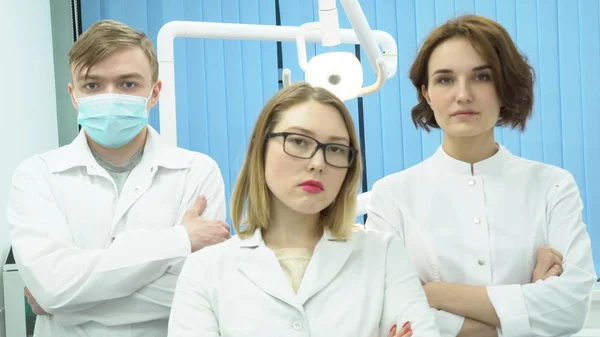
pixel 549 263
pixel 35 307
pixel 203 233
pixel 405 331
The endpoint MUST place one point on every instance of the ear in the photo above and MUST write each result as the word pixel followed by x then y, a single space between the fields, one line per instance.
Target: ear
pixel 71 93
pixel 155 94
pixel 425 93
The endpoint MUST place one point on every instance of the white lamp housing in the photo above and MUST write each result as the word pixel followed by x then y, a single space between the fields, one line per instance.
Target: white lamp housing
pixel 339 72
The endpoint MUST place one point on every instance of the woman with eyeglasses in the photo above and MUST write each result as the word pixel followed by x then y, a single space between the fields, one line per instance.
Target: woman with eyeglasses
pixel 297 267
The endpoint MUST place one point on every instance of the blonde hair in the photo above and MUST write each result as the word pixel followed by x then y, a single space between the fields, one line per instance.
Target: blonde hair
pixel 251 193
pixel 105 37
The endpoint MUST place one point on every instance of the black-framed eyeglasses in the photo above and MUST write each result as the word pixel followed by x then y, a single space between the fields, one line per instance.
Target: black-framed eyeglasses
pixel 304 147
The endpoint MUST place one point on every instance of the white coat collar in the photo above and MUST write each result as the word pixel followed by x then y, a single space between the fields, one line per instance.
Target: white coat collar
pixel 259 264
pixel 78 154
pixel 490 166
pixel 256 239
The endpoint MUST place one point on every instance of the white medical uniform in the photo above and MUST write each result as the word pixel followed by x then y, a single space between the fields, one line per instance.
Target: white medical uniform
pixel 358 287
pixel 99 263
pixel 485 228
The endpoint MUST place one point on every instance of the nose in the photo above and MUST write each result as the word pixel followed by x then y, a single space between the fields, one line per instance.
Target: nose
pixel 317 162
pixel 463 92
pixel 111 89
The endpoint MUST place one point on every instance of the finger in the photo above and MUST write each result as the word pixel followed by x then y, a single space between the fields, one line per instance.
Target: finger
pixel 224 225
pixel 556 270
pixel 557 253
pixel 545 261
pixel 199 205
pixel 404 330
pixel 225 235
pixel 555 259
pixel 392 331
pixel 37 310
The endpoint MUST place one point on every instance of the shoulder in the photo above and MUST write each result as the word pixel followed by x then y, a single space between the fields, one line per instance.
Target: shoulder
pixel 398 186
pixel 373 240
pixel 406 177
pixel 186 157
pixel 538 173
pixel 37 165
pixel 198 164
pixel 214 256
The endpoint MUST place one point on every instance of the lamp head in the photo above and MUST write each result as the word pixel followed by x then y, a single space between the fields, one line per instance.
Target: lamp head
pixel 339 72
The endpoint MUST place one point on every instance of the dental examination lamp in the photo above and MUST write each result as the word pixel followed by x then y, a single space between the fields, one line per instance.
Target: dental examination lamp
pixel 339 72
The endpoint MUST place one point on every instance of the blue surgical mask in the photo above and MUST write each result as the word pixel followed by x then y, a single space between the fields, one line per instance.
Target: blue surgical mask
pixel 112 120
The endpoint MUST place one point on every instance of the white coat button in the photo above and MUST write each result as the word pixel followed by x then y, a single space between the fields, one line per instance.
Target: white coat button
pixel 477 221
pixel 481 262
pixel 471 182
pixel 136 190
pixel 297 325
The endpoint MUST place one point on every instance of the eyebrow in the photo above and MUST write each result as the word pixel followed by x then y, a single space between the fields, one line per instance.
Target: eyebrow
pixel 448 71
pixel 137 76
pixel 312 134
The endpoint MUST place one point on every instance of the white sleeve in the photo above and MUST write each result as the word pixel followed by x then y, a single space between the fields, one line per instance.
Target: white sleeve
pixel 448 323
pixel 557 306
pixel 404 297
pixel 209 183
pixel 153 301
pixel 64 277
pixel 192 313
pixel 382 213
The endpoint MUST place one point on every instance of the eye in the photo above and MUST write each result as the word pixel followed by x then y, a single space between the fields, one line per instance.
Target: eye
pixel 337 149
pixel 91 86
pixel 334 149
pixel 483 77
pixel 297 141
pixel 129 85
pixel 444 80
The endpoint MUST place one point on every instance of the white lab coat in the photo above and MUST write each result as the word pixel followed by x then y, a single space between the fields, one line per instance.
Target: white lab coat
pixel 104 265
pixel 485 229
pixel 358 287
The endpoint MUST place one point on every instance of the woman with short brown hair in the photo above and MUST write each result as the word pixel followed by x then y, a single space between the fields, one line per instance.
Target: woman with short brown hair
pixel 478 221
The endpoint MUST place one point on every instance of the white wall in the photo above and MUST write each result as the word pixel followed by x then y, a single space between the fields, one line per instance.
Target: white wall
pixel 27 96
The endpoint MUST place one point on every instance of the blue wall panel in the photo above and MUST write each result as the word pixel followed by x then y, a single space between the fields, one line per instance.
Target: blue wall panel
pixel 407 48
pixel 589 53
pixel 570 93
pixel 548 80
pixel 222 85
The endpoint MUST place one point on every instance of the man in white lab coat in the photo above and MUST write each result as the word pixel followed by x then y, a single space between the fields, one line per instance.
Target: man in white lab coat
pixel 100 227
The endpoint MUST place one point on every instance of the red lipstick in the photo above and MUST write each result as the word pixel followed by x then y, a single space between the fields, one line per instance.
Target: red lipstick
pixel 312 186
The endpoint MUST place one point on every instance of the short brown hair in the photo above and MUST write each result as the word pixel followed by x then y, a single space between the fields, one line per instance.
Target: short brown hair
pixel 513 77
pixel 105 37
pixel 251 193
